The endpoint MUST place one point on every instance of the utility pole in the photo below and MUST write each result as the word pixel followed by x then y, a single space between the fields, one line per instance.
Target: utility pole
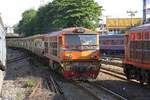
pixel 132 14
pixel 144 11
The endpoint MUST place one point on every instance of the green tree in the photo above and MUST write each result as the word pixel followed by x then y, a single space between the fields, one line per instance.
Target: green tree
pixel 26 25
pixel 60 14
pixel 71 13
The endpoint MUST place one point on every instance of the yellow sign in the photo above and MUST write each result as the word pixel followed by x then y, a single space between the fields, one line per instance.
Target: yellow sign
pixel 122 22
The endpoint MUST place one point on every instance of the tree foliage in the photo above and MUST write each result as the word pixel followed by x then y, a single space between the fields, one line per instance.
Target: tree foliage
pixel 60 14
pixel 26 25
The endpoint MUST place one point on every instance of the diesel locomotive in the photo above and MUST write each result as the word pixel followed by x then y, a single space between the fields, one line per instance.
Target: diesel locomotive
pixel 72 51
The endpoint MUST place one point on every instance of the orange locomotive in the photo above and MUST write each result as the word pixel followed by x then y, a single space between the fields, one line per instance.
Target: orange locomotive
pixel 72 51
pixel 137 54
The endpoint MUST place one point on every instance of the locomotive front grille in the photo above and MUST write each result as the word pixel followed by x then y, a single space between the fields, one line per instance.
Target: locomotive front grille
pixel 81 66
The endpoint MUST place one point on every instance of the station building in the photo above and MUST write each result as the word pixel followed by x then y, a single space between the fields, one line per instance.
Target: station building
pixel 116 25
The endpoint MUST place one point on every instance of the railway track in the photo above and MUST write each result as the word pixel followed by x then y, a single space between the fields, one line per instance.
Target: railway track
pixel 48 83
pixel 85 87
pixel 119 75
pixel 117 62
pixel 98 86
pixel 113 70
pixel 16 59
pixel 113 73
pixel 78 84
pixel 53 86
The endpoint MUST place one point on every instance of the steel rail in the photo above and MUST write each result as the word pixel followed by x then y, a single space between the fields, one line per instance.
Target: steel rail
pixel 112 70
pixel 113 74
pixel 85 89
pixel 107 90
pixel 112 63
pixel 54 86
pixel 16 59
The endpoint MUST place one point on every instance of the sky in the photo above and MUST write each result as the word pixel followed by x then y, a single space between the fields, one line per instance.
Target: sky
pixel 11 10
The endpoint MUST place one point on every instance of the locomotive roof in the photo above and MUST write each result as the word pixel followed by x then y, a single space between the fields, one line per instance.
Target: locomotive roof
pixel 64 31
pixel 141 28
pixel 70 31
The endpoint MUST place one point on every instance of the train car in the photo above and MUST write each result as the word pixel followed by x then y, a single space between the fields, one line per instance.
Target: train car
pixel 72 51
pixel 137 54
pixel 112 45
pixel 2 46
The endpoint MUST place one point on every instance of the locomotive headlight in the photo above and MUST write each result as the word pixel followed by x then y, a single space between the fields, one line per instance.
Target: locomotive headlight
pixel 68 56
pixel 94 56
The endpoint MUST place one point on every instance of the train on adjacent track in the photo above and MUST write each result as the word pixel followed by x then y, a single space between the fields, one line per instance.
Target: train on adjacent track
pixel 112 45
pixel 137 54
pixel 72 51
pixel 2 46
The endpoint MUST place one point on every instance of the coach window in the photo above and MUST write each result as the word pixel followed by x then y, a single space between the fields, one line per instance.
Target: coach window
pixel 121 42
pixel 131 36
pixel 146 35
pixel 104 42
pixel 46 46
pixel 109 42
pixel 138 37
pixel 144 45
pixel 148 45
pixel 113 42
pixel 35 44
pixel 132 44
pixel 60 41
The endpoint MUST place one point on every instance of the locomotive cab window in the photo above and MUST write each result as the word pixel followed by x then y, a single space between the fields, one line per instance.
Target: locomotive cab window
pixel 80 39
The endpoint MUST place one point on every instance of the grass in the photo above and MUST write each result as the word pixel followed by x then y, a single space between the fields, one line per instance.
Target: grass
pixel 20 95
pixel 30 83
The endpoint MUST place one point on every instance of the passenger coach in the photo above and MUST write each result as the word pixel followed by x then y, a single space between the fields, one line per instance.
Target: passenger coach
pixel 137 54
pixel 72 51
pixel 112 45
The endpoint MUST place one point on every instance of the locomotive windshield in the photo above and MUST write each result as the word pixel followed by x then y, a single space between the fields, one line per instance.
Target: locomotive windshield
pixel 77 40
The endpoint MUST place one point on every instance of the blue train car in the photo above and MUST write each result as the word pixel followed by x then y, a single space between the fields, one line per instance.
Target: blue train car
pixel 112 45
pixel 2 46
